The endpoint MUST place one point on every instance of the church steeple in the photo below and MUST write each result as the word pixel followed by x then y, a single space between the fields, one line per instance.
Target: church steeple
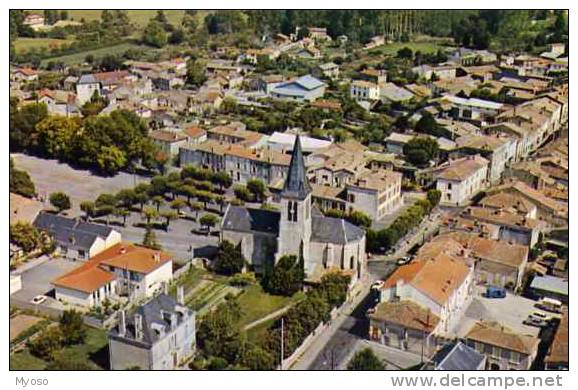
pixel 296 185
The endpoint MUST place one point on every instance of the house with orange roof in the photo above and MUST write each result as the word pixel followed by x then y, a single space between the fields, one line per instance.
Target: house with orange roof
pixel 440 284
pixel 420 301
pixel 123 270
pixel 505 349
pixel 25 74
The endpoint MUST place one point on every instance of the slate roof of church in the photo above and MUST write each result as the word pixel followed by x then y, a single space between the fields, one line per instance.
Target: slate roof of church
pixel 333 230
pixel 296 185
pixel 251 220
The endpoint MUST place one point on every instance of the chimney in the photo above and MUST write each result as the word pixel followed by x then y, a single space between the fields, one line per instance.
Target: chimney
pixel 173 321
pixel 157 256
pixel 398 287
pixel 121 323
pixel 122 250
pixel 181 295
pixel 138 331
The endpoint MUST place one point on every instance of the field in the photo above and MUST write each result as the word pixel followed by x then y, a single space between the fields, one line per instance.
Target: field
pixel 93 352
pixel 139 17
pixel 392 48
pixel 25 44
pixel 73 59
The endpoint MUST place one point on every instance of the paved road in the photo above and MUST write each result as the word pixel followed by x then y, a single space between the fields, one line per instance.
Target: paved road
pixel 334 345
pixel 345 338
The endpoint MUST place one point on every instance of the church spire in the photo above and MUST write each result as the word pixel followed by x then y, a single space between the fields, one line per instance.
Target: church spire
pixel 296 184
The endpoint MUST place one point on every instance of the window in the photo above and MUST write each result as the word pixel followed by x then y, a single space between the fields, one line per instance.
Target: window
pixel 514 357
pixel 495 352
pixel 351 198
pixel 449 186
pixel 294 211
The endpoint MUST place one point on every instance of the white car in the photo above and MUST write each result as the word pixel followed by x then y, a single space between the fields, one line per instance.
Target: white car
pixel 377 285
pixel 37 300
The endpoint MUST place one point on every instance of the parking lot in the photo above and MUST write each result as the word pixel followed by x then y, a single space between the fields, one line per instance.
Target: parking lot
pixel 51 176
pixel 510 311
pixel 37 280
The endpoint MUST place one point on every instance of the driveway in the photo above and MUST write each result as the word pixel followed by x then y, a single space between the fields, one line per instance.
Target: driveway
pixel 37 280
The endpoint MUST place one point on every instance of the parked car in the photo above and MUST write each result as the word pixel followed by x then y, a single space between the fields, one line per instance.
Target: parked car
pixel 377 285
pixel 495 292
pixel 549 304
pixel 37 300
pixel 403 260
pixel 535 321
pixel 541 316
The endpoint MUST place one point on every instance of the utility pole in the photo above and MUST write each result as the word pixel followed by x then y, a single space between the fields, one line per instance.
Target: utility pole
pixel 282 346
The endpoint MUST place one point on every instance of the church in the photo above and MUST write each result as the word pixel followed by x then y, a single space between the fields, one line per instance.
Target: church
pixel 298 227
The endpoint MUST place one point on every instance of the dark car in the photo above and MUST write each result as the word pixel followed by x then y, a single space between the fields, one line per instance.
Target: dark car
pixel 495 292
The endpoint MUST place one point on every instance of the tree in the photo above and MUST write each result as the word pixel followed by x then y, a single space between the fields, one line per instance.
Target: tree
pixel 23 121
pixel 222 179
pixel 178 204
pixel 257 188
pixel 72 327
pixel 55 135
pixel 209 220
pixel 111 159
pixel 158 200
pixel 405 53
pixel 359 218
pixel 257 358
pixel 25 235
pixel 88 208
pixel 149 214
pixel 365 360
pixel 196 207
pixel 420 150
pixel 433 197
pixel 286 278
pixel 150 239
pixel 154 34
pixel 126 197
pixel 219 334
pixel 60 201
pixel 177 37
pixel 122 213
pixel 242 193
pixel 46 344
pixel 20 182
pixel 195 72
pixel 169 216
pixel 229 259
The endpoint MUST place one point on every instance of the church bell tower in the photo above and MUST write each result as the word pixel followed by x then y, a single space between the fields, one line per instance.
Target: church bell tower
pixel 295 222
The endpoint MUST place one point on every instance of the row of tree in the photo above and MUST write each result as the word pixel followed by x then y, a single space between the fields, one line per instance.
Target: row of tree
pixel 105 143
pixel 379 241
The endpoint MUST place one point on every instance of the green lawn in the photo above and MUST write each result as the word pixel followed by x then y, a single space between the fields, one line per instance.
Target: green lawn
pixel 256 333
pixel 73 59
pixel 255 303
pixel 25 44
pixel 392 48
pixel 139 17
pixel 94 351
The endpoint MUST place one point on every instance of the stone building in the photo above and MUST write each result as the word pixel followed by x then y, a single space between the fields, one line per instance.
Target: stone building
pixel 297 229
pixel 160 335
